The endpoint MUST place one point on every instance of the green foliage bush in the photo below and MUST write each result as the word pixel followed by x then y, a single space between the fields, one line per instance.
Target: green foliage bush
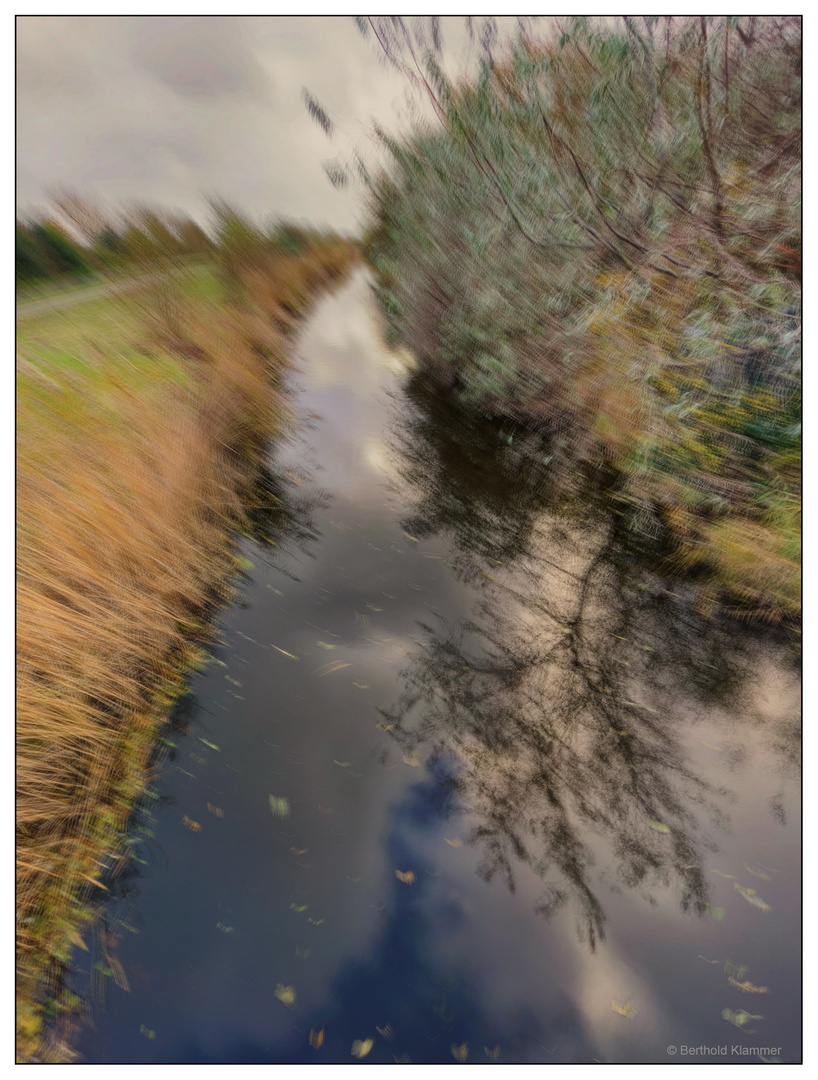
pixel 599 236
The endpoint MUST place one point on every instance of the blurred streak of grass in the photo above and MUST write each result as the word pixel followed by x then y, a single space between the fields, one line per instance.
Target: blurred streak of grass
pixel 140 420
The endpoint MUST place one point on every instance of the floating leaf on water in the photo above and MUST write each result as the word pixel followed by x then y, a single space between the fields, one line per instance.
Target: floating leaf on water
pixel 300 851
pixel 210 744
pixel 751 898
pixel 315 922
pixel 493 1054
pixel 460 1051
pixel 407 878
pixel 104 969
pixel 411 759
pixel 330 668
pixel 659 826
pixel 189 823
pixel 147 1032
pixel 739 1019
pixel 716 913
pixel 298 908
pixel 280 807
pixel 215 810
pixel 325 645
pixel 361 1047
pixel 289 655
pixel 624 1008
pixel 700 957
pixel 757 873
pixel 342 764
pixel 285 994
pixel 386 1032
pixel 739 970
pixel 747 987
pixel 728 877
pixel 361 685
pixel 457 842
pixel 317 1039
pixel 384 727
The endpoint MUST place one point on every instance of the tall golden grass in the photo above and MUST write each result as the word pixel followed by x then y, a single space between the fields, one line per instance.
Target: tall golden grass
pixel 131 470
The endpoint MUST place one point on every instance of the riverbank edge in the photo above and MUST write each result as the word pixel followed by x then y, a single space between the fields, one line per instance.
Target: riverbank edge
pixel 714 551
pixel 70 899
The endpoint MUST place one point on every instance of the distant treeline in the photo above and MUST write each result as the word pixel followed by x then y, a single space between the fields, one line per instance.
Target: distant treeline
pixel 80 239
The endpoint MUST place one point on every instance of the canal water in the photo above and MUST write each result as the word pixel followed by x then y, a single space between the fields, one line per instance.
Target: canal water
pixel 464 781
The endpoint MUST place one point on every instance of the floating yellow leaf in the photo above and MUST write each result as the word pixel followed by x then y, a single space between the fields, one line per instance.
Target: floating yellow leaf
pixel 285 994
pixel 751 898
pixel 215 810
pixel 757 873
pixel 280 807
pixel 460 1051
pixel 361 1047
pixel 624 1008
pixel 189 823
pixel 317 1039
pixel 454 843
pixel 210 744
pixel 728 877
pixel 408 878
pixel 659 826
pixel 328 669
pixel 412 759
pixel 147 1032
pixel 325 645
pixel 493 1054
pixel 747 987
pixel 739 1019
pixel 342 764
pixel 289 655
pixel 298 908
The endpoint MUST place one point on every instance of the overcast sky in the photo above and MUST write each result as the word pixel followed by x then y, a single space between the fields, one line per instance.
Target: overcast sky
pixel 168 109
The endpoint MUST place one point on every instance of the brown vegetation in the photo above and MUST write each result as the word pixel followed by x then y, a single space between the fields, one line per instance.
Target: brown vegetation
pixel 131 468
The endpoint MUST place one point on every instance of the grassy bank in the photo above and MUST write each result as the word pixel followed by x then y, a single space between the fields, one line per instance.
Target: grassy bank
pixel 141 419
pixel 598 238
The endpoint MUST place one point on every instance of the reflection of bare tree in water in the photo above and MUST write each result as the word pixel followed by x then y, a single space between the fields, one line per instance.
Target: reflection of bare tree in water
pixel 557 697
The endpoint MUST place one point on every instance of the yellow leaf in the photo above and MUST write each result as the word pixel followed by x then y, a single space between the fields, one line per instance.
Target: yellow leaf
pixel 747 987
pixel 454 843
pixel 361 1047
pixel 460 1051
pixel 317 1039
pixel 285 994
pixel 408 878
pixel 626 1009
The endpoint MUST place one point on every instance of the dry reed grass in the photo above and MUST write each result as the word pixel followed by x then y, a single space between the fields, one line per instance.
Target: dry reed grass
pixel 130 477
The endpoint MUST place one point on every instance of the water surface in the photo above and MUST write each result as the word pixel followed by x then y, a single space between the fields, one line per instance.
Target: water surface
pixel 465 778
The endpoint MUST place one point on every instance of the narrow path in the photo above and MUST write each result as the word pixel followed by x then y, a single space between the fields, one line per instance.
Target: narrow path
pixel 76 296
